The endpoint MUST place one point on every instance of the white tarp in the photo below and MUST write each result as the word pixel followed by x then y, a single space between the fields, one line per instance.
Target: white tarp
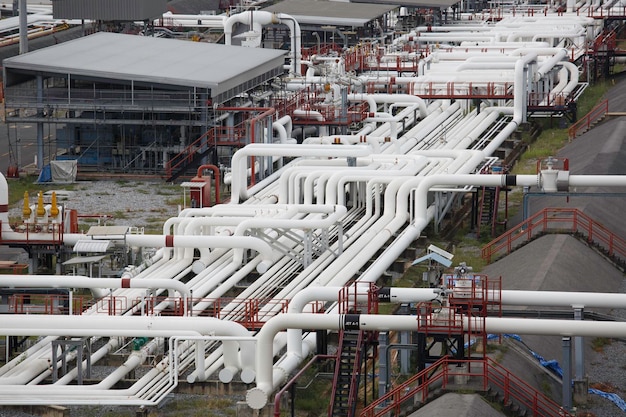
pixel 63 171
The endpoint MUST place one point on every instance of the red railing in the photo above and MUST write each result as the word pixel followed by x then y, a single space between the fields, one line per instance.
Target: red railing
pixel 469 91
pixel 292 381
pixel 563 220
pixel 37 303
pixel 251 313
pixel 311 102
pixel 216 136
pixel 38 233
pixel 13 269
pixel 185 157
pixel 444 373
pixel 584 124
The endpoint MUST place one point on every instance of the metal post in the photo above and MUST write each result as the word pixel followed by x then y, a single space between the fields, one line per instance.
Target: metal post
pixel 404 354
pixel 567 373
pixel 383 369
pixel 579 351
pixel 40 138
pixel 23 24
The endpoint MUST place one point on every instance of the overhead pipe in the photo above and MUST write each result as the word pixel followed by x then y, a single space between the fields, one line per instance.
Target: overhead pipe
pixel 173 241
pixel 257 397
pixel 239 161
pixel 132 326
pixel 256 19
pixel 79 281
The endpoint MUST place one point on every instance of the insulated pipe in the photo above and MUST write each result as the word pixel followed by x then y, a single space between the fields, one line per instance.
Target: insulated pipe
pixel 4 207
pixel 239 161
pixel 310 294
pixel 547 327
pixel 78 281
pixel 130 326
pixel 264 249
pixel 257 397
pixel 253 19
pixel 547 66
pixel 296 39
pixel 562 299
pixel 256 19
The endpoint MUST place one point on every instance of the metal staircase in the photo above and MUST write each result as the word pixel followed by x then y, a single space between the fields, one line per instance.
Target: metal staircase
pixel 488 207
pixel 352 349
pixel 347 373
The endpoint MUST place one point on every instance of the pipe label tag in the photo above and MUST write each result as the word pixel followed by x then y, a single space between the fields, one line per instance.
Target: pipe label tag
pixel 351 322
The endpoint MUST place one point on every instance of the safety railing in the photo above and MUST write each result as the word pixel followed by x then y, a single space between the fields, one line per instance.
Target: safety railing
pixel 38 233
pixel 41 303
pixel 562 220
pixel 587 122
pixel 251 313
pixel 479 373
pixel 13 269
pixel 188 154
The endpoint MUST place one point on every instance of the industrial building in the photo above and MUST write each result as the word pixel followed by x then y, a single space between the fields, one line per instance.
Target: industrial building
pixel 341 142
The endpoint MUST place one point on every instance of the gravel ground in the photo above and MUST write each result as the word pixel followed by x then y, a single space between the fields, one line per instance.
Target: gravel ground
pixel 131 203
pixel 147 205
pixel 608 372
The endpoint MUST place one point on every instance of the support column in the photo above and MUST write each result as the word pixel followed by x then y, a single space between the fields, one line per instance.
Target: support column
pixel 581 384
pixel 404 354
pixel 23 23
pixel 383 368
pixel 579 350
pixel 567 373
pixel 40 138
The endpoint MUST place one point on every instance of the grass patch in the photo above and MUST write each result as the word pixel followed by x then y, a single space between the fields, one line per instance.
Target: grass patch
pixel 599 343
pixel 18 186
pixel 119 214
pixel 552 139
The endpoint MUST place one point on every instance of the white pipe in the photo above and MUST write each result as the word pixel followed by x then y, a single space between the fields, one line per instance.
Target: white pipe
pixel 264 249
pixel 239 161
pixel 562 299
pixel 128 326
pixel 78 281
pixel 256 19
pixel 4 207
pixel 257 397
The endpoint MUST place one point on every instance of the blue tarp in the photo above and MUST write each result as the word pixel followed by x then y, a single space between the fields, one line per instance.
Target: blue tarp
pixel 554 366
pixel 45 175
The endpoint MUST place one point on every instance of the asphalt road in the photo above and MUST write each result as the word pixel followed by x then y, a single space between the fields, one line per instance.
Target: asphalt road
pixel 18 144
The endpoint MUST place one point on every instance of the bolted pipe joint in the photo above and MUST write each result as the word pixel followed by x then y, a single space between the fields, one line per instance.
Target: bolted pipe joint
pixel 256 398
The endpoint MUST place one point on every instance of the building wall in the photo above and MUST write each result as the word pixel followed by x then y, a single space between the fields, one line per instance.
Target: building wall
pixel 128 10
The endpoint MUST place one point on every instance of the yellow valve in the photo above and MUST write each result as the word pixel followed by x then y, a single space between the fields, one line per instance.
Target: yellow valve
pixel 41 210
pixel 26 209
pixel 54 209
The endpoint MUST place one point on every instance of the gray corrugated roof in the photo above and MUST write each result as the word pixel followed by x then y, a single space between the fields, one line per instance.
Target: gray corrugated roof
pixel 192 6
pixel 412 3
pixel 330 12
pixel 150 60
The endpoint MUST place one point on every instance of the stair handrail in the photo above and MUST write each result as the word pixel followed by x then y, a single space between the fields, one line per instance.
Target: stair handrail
pixel 391 401
pixel 597 113
pixel 521 392
pixel 574 221
pixel 446 368
pixel 357 363
pixel 186 155
pixel 293 380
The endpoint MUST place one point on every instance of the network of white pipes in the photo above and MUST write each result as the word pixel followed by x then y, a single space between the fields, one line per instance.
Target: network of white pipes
pixel 321 219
